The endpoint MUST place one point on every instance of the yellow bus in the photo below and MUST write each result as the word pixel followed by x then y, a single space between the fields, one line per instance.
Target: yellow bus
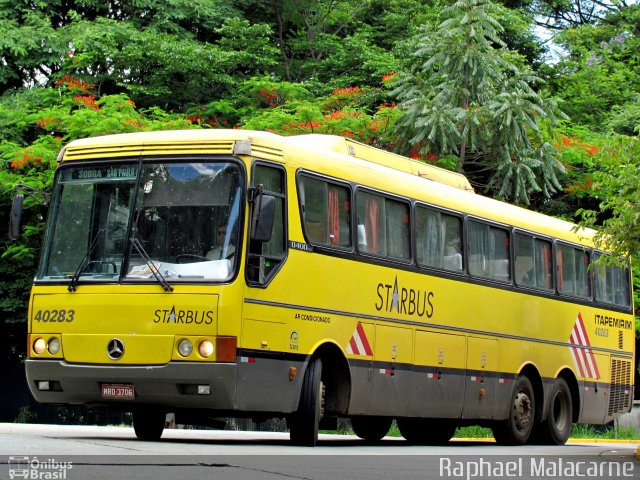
pixel 231 273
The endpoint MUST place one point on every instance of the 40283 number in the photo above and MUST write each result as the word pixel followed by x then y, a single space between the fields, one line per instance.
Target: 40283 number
pixel 55 315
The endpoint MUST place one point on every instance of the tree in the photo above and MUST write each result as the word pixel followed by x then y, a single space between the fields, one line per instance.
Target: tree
pixel 616 186
pixel 470 96
pixel 169 54
pixel 597 80
pixel 563 14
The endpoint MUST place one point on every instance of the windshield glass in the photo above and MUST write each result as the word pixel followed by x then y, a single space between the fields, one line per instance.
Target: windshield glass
pixel 117 222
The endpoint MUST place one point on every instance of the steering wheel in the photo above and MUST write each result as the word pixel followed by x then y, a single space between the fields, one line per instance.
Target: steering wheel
pixel 190 258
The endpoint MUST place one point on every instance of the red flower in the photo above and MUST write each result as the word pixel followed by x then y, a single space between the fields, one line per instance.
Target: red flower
pixel 388 76
pixel 26 159
pixel 75 85
pixel 87 101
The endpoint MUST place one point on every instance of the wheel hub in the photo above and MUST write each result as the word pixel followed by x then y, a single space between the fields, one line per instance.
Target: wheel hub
pixel 522 410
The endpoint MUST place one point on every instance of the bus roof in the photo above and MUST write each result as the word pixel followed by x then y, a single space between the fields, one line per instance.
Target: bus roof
pixel 334 156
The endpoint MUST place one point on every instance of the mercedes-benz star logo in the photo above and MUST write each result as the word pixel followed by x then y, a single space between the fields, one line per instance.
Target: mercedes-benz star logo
pixel 115 349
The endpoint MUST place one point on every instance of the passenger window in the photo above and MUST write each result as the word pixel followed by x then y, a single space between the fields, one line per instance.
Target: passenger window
pixel 533 266
pixel 325 210
pixel 438 239
pixel 383 226
pixel 572 271
pixel 612 284
pixel 488 248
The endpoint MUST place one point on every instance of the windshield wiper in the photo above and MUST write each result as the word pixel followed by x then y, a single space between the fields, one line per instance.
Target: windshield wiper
pixel 84 262
pixel 154 269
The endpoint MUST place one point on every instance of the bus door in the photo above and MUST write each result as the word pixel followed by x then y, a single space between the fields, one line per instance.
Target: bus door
pixel 265 333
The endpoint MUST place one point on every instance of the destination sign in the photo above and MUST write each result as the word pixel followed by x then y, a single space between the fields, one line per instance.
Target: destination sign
pixel 115 172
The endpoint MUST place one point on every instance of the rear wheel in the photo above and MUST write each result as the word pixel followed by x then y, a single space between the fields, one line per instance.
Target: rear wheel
pixel 371 429
pixel 556 428
pixel 516 429
pixel 421 431
pixel 148 424
pixel 304 423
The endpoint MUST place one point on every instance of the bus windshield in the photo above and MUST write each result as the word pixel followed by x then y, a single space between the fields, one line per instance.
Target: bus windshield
pixel 119 222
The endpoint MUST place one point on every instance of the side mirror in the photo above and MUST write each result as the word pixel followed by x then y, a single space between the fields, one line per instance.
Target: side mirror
pixel 15 219
pixel 262 217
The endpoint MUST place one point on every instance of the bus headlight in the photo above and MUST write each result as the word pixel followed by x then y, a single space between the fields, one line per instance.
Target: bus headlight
pixel 185 347
pixel 205 349
pixel 54 346
pixel 39 345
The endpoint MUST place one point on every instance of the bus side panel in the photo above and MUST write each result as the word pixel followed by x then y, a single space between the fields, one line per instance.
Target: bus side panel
pixel 595 394
pixel 361 376
pixel 263 365
pixel 438 375
pixel 481 381
pixel 361 368
pixel 392 375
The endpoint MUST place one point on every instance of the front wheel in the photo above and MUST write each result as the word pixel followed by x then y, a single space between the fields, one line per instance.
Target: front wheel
pixel 371 429
pixel 516 429
pixel 556 428
pixel 304 422
pixel 148 424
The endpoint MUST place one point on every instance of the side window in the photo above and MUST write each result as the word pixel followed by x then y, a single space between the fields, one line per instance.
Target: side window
pixel 533 265
pixel 572 271
pixel 488 248
pixel 438 239
pixel 383 226
pixel 264 258
pixel 325 208
pixel 612 284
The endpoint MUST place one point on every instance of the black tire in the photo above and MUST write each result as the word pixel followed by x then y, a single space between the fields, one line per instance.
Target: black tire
pixel 421 431
pixel 148 424
pixel 556 428
pixel 371 429
pixel 304 423
pixel 517 428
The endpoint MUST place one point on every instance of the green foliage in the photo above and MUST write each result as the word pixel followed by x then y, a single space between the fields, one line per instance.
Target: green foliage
pixel 473 431
pixel 345 112
pixel 26 415
pixel 598 79
pixel 616 188
pixel 468 95
pixel 591 431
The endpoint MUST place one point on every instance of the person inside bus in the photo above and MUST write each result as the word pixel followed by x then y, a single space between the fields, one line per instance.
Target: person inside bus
pixel 218 251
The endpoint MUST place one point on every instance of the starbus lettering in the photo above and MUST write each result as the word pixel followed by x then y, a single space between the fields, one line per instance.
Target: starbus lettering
pixel 407 301
pixel 196 317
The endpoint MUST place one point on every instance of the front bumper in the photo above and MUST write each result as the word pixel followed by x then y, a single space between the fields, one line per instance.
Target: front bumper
pixel 172 385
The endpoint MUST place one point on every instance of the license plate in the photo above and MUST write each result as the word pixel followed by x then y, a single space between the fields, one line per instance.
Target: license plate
pixel 119 391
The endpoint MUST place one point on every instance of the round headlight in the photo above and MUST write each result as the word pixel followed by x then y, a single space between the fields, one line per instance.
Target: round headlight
pixel 185 347
pixel 39 345
pixel 54 346
pixel 205 348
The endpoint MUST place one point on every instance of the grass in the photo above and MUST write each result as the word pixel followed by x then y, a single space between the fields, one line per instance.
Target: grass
pixel 473 431
pixel 619 433
pixel 579 432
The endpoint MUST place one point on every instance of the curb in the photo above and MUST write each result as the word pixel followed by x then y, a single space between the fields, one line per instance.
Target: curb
pixel 571 440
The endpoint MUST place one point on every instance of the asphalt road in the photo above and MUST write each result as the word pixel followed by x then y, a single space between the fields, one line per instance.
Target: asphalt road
pixel 80 452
